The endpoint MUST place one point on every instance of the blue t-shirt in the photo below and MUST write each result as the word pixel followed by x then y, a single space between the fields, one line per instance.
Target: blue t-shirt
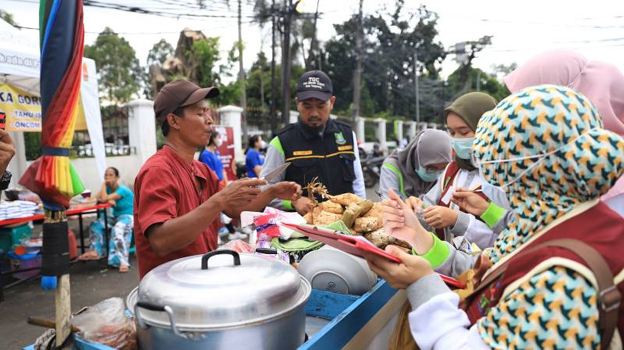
pixel 213 162
pixel 253 159
pixel 125 204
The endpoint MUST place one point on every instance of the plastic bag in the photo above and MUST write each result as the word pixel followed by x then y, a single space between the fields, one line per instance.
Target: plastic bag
pixel 106 323
pixel 239 246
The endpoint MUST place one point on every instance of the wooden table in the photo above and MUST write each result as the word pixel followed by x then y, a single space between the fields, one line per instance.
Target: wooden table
pixel 70 212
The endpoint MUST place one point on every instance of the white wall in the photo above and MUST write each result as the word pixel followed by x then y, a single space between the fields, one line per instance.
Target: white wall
pixel 128 167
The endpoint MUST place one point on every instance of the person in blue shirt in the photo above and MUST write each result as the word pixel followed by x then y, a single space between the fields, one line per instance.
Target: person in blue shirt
pixel 122 199
pixel 254 159
pixel 210 156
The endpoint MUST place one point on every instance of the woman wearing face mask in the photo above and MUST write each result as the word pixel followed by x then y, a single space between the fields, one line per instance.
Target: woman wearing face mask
pixel 253 158
pixel 210 156
pixel 440 212
pixel 602 83
pixel 536 289
pixel 413 170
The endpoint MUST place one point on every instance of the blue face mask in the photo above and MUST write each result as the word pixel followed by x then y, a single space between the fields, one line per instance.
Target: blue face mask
pixel 427 175
pixel 462 147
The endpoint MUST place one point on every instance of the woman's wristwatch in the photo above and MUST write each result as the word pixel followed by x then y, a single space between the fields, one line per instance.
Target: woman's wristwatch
pixel 5 180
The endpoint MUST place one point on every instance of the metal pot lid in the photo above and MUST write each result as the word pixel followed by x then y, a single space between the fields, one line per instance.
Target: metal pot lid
pixel 221 289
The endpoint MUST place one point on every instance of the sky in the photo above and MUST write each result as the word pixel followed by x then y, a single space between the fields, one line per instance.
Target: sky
pixel 520 30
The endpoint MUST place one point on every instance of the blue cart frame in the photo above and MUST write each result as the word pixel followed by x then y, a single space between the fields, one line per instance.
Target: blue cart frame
pixel 349 315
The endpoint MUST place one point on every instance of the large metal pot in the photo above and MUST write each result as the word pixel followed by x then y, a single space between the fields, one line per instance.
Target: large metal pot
pixel 240 301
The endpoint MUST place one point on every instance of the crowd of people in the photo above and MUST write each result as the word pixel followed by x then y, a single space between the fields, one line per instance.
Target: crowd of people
pixel 519 197
pixel 522 198
pixel 536 183
pixel 503 198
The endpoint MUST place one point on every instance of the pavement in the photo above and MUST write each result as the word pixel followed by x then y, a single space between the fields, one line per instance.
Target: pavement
pixel 91 282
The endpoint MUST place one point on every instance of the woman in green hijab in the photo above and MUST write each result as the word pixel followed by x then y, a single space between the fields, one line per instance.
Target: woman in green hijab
pixel 440 212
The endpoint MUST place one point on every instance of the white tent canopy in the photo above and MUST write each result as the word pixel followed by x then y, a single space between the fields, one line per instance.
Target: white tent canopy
pixel 20 67
pixel 19 59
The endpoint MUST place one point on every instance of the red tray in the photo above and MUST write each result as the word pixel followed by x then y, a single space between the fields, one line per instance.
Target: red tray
pixel 354 245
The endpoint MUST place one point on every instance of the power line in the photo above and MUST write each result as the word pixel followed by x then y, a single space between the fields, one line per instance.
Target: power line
pixel 203 13
pixel 141 10
pixel 147 33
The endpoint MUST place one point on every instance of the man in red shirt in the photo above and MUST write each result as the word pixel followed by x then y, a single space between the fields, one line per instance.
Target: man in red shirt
pixel 177 198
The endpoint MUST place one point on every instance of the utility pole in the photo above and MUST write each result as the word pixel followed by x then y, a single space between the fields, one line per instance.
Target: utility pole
pixel 241 75
pixel 286 63
pixel 273 81
pixel 479 80
pixel 357 76
pixel 416 87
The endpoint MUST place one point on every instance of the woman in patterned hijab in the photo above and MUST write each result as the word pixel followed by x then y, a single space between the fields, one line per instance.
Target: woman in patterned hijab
pixel 602 83
pixel 546 149
pixel 556 155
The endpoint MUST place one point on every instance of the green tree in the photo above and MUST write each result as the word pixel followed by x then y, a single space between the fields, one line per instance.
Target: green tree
pixel 259 82
pixel 120 74
pixel 486 83
pixel 390 41
pixel 159 53
pixel 203 58
pixel 155 60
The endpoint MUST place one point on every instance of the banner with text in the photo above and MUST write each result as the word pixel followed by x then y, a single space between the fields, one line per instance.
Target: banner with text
pixel 23 110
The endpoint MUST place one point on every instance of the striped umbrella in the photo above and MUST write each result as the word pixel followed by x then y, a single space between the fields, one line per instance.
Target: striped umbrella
pixel 52 176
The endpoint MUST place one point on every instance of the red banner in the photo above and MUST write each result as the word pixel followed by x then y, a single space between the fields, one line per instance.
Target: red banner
pixel 226 151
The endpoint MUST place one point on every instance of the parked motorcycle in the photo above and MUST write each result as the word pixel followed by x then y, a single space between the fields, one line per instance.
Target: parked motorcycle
pixel 371 170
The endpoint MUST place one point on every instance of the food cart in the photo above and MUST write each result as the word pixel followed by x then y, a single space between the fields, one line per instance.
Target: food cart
pixel 337 321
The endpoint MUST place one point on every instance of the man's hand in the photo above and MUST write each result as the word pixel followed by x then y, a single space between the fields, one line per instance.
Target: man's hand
pixel 440 217
pixel 286 190
pixel 303 205
pixel 470 202
pixel 7 150
pixel 239 193
pixel 399 275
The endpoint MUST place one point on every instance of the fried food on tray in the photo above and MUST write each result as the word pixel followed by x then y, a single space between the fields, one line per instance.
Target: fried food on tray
pixel 326 218
pixel 331 207
pixel 367 224
pixel 345 199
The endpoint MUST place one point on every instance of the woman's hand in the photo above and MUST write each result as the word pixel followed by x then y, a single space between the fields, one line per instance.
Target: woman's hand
pixel 398 220
pixel 401 222
pixel 416 203
pixel 399 275
pixel 440 217
pixel 470 202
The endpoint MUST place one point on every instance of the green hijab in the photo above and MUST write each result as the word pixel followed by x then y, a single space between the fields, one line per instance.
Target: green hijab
pixel 470 107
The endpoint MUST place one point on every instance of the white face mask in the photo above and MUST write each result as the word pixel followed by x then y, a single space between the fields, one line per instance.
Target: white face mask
pixel 218 142
pixel 262 144
pixel 501 192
